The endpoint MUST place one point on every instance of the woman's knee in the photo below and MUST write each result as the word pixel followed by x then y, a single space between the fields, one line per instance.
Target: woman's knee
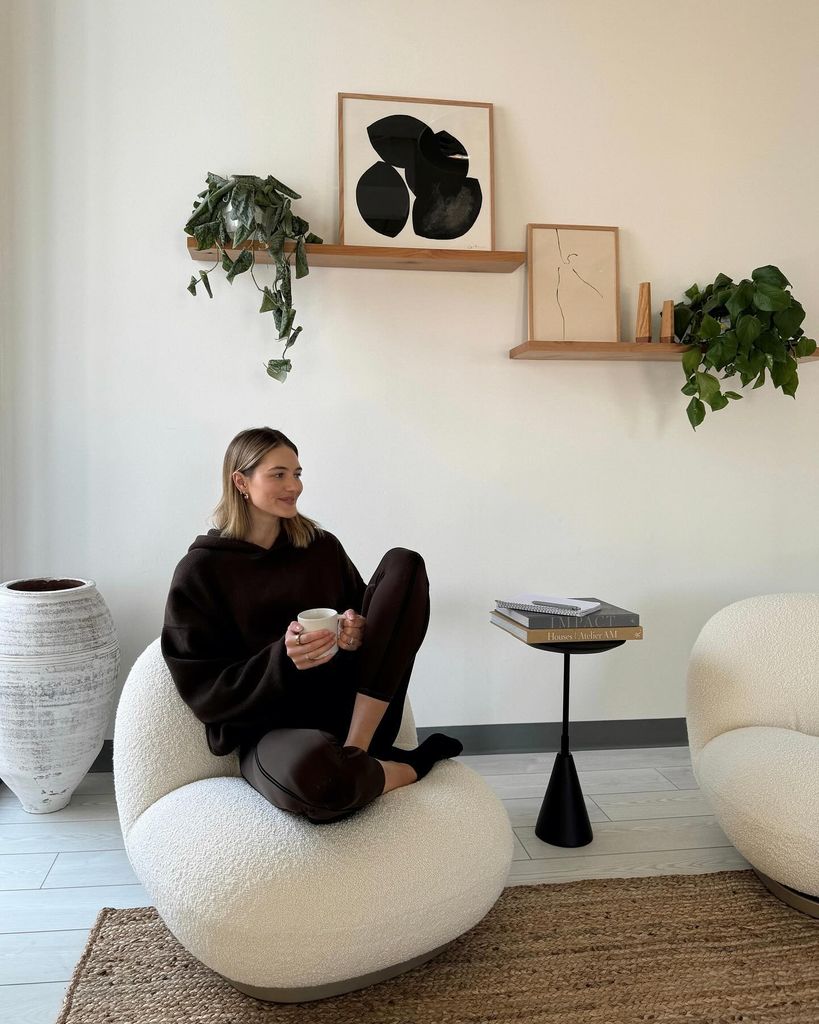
pixel 322 773
pixel 404 561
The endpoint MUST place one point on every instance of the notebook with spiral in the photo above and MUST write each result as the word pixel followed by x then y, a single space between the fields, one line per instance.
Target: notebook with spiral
pixel 549 604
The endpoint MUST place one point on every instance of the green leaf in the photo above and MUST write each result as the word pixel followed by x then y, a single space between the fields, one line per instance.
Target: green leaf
pixel 292 339
pixel 690 388
pixel 710 328
pixel 270 220
pixel 740 298
pixel 719 402
pixel 693 292
pixel 241 202
pixel 779 351
pixel 279 369
pixel 284 280
pixel 760 379
pixel 312 239
pixel 730 347
pixel 756 362
pixel 805 347
pixel 771 276
pixel 768 297
pixel 784 373
pixel 748 330
pixel 205 234
pixel 682 318
pixel 733 395
pixel 192 286
pixel 215 180
pixel 227 262
pixel 275 242
pixel 691 360
pixel 288 316
pixel 722 280
pixel 301 259
pixel 790 385
pixel 716 355
pixel 204 275
pixel 243 232
pixel 696 412
pixel 787 321
pixel 269 303
pixel 282 188
pixel 241 264
pixel 709 387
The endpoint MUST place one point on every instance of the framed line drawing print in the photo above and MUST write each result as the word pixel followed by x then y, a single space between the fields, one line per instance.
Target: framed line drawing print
pixel 574 282
pixel 415 173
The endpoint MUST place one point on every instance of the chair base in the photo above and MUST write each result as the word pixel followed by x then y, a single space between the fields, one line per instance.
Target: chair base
pixel 335 988
pixel 801 901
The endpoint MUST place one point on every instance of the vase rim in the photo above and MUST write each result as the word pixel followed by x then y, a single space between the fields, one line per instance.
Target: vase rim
pixel 29 589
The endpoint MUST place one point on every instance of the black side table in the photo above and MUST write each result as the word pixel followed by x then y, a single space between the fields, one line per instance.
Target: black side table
pixel 563 818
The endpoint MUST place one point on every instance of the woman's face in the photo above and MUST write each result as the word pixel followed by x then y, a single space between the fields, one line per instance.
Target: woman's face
pixel 276 483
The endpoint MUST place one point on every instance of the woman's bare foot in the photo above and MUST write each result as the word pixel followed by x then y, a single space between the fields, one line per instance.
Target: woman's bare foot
pixel 397 775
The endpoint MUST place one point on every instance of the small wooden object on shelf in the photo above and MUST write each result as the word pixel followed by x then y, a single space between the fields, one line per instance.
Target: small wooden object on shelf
pixel 667 322
pixel 643 332
pixel 381 257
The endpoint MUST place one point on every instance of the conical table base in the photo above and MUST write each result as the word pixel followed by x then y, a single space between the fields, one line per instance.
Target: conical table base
pixel 563 818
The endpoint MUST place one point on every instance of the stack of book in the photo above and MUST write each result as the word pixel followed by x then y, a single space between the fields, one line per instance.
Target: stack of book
pixel 568 620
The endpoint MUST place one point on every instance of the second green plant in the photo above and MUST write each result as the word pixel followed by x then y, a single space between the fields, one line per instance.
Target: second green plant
pixel 750 329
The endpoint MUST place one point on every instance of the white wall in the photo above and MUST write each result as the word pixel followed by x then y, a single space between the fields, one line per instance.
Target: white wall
pixel 690 126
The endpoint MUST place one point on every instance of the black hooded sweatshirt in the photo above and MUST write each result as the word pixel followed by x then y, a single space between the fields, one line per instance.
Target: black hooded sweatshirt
pixel 229 606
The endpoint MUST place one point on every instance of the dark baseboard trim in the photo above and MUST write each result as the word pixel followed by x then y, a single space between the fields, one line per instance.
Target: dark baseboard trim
pixel 531 737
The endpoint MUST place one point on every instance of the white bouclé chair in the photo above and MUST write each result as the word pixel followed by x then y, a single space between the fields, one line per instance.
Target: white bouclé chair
pixel 284 909
pixel 753 730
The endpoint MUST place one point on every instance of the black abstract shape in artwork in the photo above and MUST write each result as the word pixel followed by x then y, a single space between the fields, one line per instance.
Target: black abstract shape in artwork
pixel 382 199
pixel 447 202
pixel 395 138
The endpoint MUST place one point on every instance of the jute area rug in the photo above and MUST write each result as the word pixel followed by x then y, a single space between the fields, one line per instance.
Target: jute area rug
pixel 682 948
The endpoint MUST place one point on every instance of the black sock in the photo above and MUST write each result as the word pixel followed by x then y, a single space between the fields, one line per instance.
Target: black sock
pixel 434 748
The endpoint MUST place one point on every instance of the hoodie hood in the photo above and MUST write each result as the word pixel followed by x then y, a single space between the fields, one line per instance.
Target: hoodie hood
pixel 215 541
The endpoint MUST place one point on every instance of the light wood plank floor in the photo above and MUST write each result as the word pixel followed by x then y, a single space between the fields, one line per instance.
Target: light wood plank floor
pixel 58 870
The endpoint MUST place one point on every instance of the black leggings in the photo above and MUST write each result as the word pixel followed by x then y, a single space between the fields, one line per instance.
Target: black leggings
pixel 305 769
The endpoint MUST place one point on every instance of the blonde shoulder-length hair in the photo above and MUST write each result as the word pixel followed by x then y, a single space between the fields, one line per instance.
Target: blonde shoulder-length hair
pixel 244 453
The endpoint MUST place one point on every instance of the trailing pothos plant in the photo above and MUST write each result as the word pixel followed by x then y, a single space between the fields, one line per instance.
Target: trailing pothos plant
pixel 233 210
pixel 751 328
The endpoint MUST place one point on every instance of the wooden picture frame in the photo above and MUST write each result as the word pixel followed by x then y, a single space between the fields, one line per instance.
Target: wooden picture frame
pixel 573 273
pixel 446 207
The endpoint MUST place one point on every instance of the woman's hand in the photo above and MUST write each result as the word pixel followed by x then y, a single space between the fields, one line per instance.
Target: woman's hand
pixel 309 649
pixel 351 630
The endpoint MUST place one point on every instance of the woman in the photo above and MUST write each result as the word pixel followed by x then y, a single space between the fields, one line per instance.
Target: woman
pixel 315 729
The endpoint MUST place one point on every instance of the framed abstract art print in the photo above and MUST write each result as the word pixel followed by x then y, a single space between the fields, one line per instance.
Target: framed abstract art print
pixel 574 282
pixel 415 173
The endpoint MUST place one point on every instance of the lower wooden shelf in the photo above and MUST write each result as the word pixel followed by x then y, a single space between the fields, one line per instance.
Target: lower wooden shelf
pixel 658 350
pixel 598 350
pixel 382 257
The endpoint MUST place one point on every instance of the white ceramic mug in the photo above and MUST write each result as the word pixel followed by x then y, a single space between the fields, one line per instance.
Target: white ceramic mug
pixel 320 618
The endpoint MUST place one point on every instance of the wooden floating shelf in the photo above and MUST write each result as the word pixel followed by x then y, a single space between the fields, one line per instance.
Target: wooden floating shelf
pixel 381 257
pixel 598 350
pixel 657 350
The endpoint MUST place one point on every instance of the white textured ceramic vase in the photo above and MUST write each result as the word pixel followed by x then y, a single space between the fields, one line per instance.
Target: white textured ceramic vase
pixel 59 664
